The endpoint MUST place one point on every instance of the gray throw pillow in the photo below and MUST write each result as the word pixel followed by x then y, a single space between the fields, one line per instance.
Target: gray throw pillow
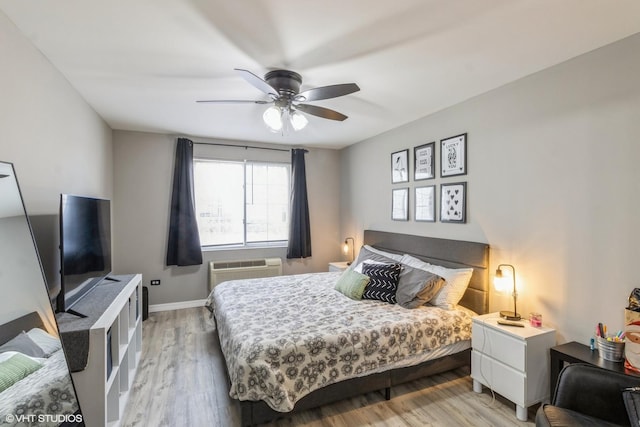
pixel 23 344
pixel 365 254
pixel 416 287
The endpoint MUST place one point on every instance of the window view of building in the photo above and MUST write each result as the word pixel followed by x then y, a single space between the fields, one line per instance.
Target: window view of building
pixel 241 203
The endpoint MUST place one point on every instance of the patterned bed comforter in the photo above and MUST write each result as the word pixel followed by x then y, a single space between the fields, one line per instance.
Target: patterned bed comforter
pixel 284 337
pixel 48 392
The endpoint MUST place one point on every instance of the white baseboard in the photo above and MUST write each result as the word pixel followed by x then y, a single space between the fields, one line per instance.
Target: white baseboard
pixel 176 305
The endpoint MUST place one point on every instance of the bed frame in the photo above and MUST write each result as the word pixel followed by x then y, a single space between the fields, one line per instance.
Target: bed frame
pixel 445 252
pixel 11 329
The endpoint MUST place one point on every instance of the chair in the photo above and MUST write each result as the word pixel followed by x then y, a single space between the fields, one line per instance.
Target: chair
pixel 587 396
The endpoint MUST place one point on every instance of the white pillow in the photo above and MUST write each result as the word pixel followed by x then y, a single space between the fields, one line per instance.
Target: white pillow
pixel 358 267
pixel 415 262
pixel 48 343
pixel 456 281
pixel 395 257
pixel 9 354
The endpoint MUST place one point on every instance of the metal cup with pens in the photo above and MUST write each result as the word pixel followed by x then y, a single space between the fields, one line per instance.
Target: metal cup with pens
pixel 609 348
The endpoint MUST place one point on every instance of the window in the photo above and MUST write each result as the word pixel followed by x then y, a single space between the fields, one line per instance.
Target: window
pixel 241 203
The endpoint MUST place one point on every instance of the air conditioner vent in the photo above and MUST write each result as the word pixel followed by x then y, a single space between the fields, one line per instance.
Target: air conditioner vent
pixel 222 271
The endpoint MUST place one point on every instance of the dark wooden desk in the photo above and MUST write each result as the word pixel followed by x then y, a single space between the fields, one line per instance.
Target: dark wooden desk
pixel 574 352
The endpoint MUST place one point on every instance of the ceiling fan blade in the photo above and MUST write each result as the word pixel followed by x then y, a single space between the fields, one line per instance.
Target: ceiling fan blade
pixel 327 92
pixel 325 113
pixel 233 101
pixel 257 82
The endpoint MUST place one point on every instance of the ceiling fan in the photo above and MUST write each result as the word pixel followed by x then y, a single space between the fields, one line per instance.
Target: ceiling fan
pixel 287 102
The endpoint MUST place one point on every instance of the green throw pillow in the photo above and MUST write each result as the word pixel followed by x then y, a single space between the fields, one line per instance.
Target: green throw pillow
pixel 352 284
pixel 16 368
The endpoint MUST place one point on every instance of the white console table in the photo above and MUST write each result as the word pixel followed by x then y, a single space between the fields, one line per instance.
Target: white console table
pixel 114 322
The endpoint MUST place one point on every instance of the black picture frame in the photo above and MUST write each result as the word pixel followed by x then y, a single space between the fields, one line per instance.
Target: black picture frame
pixel 400 166
pixel 425 203
pixel 400 204
pixel 453 156
pixel 453 202
pixel 424 159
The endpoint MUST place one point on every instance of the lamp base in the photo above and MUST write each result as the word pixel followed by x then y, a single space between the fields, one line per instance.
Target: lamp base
pixel 510 315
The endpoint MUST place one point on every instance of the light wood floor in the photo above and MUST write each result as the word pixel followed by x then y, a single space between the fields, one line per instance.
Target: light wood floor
pixel 181 382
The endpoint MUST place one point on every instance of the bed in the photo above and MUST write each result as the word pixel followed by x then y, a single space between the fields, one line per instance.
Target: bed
pixel 48 390
pixel 320 346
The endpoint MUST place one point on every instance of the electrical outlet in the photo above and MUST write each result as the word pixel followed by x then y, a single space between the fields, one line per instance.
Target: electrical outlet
pixel 155 282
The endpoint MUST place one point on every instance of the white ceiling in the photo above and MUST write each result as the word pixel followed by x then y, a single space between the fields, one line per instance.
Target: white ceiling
pixel 142 64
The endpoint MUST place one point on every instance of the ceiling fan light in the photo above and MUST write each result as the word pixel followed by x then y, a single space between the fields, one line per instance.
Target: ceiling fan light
pixel 273 118
pixel 298 120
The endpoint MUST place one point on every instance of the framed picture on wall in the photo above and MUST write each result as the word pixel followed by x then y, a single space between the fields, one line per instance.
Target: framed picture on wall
pixel 400 166
pixel 424 159
pixel 453 156
pixel 453 202
pixel 400 204
pixel 425 200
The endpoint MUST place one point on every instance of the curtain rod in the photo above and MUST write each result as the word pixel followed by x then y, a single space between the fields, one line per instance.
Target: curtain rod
pixel 241 146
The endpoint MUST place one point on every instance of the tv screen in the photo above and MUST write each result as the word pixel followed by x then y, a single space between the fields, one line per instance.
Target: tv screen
pixel 85 246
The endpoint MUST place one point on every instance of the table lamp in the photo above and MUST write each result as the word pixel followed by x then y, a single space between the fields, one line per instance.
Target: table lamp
pixel 345 248
pixel 499 284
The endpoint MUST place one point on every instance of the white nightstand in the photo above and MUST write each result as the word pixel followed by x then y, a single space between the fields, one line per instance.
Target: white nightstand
pixel 338 266
pixel 512 361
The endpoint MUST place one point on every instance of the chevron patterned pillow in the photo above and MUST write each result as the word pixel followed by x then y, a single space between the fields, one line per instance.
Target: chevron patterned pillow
pixel 384 281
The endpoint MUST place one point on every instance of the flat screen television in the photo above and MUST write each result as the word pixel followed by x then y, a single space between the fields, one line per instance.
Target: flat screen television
pixel 85 247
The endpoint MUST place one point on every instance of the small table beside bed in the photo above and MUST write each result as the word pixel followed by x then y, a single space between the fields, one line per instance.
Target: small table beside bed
pixel 293 343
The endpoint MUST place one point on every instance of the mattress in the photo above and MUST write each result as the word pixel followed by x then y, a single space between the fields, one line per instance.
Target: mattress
pixel 284 337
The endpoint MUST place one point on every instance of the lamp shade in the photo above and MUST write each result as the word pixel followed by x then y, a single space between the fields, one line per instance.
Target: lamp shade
pixel 273 118
pixel 298 120
pixel 345 248
pixel 276 117
pixel 504 284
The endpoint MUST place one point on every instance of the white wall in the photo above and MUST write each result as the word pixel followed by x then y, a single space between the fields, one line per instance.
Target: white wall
pixel 21 281
pixel 56 142
pixel 553 185
pixel 143 178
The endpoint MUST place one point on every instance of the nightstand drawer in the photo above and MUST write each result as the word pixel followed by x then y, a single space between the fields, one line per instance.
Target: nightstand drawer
pixel 501 378
pixel 498 345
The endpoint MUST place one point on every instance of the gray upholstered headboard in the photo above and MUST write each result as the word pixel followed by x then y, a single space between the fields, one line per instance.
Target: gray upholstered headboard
pixel 445 252
pixel 24 323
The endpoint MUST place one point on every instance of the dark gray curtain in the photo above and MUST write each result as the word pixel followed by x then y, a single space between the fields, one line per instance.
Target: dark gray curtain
pixel 299 227
pixel 183 247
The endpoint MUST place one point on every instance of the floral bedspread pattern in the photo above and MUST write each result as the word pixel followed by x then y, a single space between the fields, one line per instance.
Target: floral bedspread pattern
pixel 48 391
pixel 284 337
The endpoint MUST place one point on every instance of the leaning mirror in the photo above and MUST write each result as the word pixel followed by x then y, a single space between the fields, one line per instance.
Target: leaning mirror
pixel 35 383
